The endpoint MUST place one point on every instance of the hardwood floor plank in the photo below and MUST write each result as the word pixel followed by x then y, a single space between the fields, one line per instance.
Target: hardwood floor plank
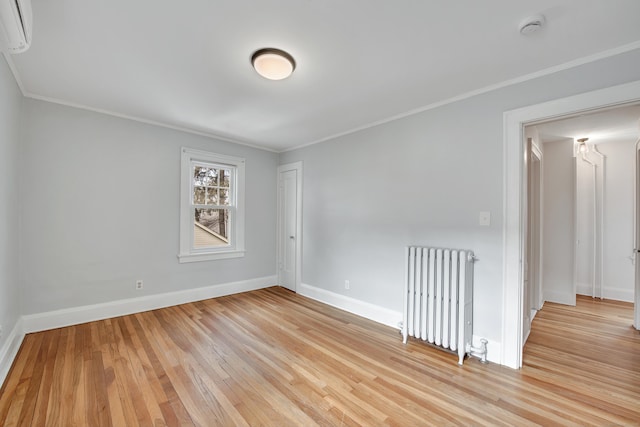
pixel 19 380
pixel 111 388
pixel 127 390
pixel 272 357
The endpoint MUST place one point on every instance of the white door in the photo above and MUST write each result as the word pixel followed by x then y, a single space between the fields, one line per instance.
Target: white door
pixel 531 235
pixel 526 303
pixel 289 229
pixel 636 306
pixel 535 232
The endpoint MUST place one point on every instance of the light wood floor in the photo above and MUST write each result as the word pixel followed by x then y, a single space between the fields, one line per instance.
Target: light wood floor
pixel 271 357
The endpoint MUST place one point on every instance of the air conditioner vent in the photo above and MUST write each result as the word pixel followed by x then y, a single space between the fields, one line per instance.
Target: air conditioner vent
pixel 16 22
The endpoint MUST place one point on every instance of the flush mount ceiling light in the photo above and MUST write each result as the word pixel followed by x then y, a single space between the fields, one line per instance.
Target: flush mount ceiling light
pixel 582 145
pixel 531 24
pixel 273 64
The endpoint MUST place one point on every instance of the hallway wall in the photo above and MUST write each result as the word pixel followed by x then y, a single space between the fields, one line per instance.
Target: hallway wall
pixel 616 248
pixel 558 220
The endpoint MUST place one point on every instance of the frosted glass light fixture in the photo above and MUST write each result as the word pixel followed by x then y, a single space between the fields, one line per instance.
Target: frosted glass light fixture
pixel 582 146
pixel 273 64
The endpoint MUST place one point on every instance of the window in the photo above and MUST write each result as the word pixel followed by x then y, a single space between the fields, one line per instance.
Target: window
pixel 212 206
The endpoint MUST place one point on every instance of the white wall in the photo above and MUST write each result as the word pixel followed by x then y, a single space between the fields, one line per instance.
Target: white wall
pixel 100 209
pixel 10 105
pixel 558 231
pixel 422 180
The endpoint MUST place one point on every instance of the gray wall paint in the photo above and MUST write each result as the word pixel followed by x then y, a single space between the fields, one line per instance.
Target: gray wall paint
pixel 558 218
pixel 423 180
pixel 10 106
pixel 100 210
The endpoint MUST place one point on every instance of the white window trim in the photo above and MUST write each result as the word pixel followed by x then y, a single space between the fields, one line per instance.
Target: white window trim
pixel 236 250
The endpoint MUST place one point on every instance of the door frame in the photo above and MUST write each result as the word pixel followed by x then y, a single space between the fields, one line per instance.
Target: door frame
pixel 536 245
pixel 514 197
pixel 532 245
pixel 297 166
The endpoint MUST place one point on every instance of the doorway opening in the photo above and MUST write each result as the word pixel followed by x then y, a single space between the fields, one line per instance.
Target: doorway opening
pixel 515 190
pixel 587 245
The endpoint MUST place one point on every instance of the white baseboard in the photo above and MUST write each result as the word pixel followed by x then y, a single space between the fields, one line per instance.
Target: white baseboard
pixel 617 294
pixel 352 305
pixel 558 297
pixel 90 313
pixel 380 314
pixel 10 349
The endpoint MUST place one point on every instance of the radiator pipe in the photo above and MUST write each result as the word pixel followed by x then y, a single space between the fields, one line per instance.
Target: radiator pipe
pixel 479 351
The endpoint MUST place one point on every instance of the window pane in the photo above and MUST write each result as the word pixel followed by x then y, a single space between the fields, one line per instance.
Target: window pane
pixel 225 175
pixel 211 228
pixel 205 176
pixel 198 175
pixel 224 197
pixel 199 195
pixel 212 177
pixel 212 196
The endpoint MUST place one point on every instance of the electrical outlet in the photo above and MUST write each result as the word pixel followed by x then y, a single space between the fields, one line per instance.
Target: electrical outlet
pixel 139 285
pixel 346 284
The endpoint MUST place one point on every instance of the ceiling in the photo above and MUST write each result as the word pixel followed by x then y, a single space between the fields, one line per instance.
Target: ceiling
pixel 608 125
pixel 186 64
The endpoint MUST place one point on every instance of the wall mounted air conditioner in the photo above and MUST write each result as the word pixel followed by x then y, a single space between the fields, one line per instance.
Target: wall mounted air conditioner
pixel 16 21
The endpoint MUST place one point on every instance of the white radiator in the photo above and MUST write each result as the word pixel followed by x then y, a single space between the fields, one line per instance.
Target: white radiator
pixel 438 305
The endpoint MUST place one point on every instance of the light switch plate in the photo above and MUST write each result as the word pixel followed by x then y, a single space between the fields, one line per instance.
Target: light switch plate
pixel 484 219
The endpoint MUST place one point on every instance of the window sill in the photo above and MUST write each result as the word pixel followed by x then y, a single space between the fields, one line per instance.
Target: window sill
pixel 209 256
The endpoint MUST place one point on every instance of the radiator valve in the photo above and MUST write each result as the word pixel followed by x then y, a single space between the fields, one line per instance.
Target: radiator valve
pixel 481 351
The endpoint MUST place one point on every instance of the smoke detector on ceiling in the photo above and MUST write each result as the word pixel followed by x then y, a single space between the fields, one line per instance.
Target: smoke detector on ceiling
pixel 532 24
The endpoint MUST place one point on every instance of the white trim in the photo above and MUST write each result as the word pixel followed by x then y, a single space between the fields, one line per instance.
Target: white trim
pixel 561 67
pixel 616 294
pixel 236 247
pixel 297 166
pixel 90 313
pixel 539 291
pixel 364 309
pixel 9 350
pixel 196 257
pixel 513 192
pixel 574 236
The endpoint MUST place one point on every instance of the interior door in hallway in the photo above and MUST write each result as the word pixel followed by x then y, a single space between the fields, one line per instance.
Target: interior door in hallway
pixel 636 306
pixel 531 244
pixel 288 226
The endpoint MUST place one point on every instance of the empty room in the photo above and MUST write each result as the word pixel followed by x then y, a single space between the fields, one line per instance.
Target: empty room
pixel 319 212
